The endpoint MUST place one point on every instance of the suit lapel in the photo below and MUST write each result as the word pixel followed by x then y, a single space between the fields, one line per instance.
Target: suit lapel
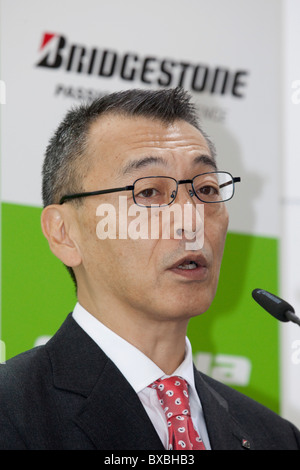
pixel 225 433
pixel 112 415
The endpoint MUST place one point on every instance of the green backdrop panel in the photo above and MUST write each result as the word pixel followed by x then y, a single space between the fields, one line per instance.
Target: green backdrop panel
pixel 236 326
pixel 37 294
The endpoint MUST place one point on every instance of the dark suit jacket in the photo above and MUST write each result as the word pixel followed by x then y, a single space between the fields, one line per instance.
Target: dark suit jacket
pixel 68 394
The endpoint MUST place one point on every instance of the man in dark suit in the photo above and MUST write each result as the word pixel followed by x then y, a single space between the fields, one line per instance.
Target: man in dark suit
pixel 114 173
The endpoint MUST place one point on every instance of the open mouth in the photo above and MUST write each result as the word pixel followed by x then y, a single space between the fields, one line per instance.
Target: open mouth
pixel 191 268
pixel 188 265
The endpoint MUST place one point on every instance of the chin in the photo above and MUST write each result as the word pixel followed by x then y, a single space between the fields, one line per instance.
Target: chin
pixel 187 310
pixel 195 302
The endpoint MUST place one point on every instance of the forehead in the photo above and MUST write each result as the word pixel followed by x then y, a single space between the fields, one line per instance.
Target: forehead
pixel 117 144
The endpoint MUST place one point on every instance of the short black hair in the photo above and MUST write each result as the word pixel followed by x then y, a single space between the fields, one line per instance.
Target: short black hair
pixel 68 145
pixel 65 157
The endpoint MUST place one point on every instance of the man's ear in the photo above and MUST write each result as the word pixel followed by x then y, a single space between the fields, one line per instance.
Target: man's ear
pixel 56 223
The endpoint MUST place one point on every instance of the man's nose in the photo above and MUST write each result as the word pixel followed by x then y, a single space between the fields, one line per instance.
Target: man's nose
pixel 192 212
pixel 185 195
pixel 184 190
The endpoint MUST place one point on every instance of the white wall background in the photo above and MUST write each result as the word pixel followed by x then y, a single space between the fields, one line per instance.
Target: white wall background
pixel 290 226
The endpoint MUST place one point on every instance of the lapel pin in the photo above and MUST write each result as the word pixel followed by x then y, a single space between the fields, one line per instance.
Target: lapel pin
pixel 246 443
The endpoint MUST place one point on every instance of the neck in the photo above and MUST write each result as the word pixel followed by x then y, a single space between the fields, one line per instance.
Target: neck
pixel 162 341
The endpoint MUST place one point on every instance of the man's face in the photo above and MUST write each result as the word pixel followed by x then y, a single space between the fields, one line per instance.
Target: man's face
pixel 147 277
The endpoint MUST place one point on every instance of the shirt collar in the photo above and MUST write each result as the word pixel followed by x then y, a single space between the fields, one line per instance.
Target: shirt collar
pixel 137 368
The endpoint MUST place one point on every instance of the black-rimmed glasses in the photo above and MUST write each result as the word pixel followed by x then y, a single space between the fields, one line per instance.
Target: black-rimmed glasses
pixel 159 191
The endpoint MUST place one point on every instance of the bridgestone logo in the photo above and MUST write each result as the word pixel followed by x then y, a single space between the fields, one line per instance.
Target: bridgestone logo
pixel 58 53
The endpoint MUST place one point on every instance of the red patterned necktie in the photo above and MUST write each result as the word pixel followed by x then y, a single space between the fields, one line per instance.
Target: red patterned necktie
pixel 174 399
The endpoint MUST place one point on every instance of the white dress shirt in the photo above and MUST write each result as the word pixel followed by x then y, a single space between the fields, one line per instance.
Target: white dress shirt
pixel 140 372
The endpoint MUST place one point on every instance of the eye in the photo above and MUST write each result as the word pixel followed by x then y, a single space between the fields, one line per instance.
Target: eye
pixel 147 193
pixel 209 190
pixel 154 190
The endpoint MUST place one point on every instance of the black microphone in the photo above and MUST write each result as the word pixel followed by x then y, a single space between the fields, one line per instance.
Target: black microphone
pixel 277 307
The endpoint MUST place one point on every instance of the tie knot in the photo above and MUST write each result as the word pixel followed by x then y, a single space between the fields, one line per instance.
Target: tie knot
pixel 173 396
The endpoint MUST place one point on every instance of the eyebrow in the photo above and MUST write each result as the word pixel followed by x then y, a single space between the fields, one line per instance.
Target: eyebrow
pixel 141 163
pixel 206 160
pixel 148 161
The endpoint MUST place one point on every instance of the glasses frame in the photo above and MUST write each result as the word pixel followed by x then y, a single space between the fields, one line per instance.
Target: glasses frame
pixel 234 179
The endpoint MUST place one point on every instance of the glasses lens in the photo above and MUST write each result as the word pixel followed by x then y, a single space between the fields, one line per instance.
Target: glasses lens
pixel 214 187
pixel 154 191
